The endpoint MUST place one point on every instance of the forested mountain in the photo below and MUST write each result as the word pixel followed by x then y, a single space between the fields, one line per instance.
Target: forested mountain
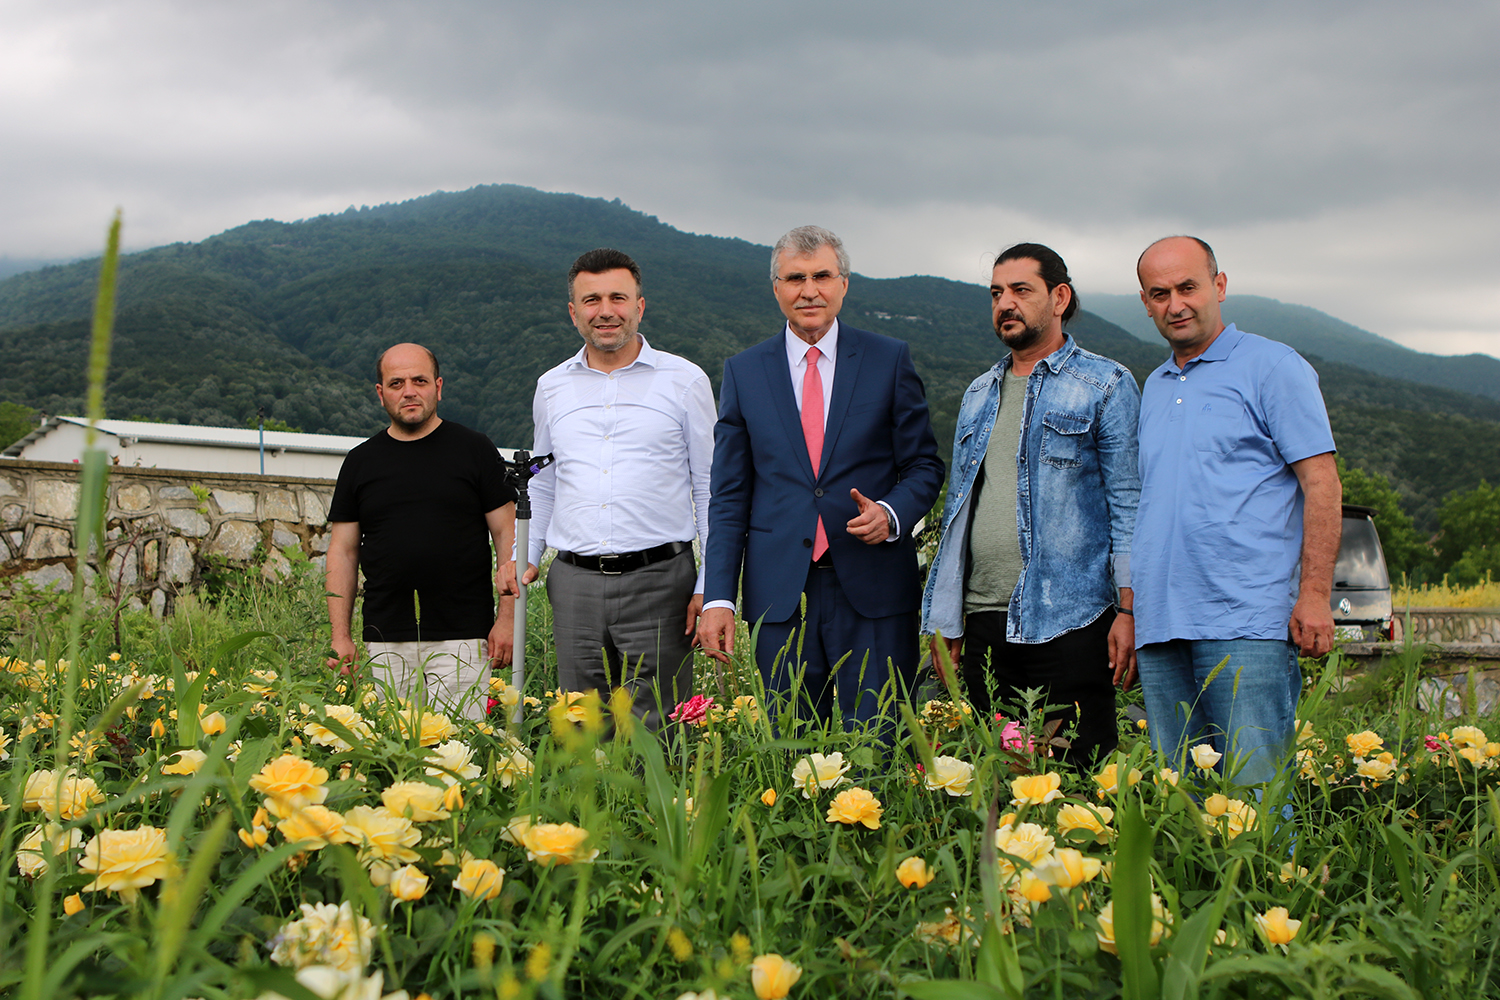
pixel 1317 333
pixel 290 316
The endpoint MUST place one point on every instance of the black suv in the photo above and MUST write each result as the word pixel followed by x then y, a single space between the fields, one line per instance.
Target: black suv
pixel 1361 586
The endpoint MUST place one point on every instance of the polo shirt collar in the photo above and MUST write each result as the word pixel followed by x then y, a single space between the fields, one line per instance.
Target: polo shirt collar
pixel 1223 345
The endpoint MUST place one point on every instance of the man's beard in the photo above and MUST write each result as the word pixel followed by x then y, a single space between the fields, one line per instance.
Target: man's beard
pixel 1027 337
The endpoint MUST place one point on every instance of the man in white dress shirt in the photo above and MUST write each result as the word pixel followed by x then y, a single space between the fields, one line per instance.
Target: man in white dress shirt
pixel 632 431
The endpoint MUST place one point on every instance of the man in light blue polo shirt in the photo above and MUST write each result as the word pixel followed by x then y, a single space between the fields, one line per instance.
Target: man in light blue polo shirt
pixel 1238 526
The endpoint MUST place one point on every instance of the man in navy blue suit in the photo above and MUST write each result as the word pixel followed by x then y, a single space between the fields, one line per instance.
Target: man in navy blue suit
pixel 824 462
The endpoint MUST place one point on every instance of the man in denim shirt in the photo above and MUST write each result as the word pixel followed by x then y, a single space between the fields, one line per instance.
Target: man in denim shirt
pixel 1035 552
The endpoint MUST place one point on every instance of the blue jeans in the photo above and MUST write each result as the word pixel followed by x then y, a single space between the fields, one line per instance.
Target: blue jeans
pixel 1252 701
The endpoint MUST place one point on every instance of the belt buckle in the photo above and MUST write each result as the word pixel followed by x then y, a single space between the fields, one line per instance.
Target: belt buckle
pixel 610 572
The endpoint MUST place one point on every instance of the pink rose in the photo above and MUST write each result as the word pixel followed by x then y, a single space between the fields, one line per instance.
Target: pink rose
pixel 694 711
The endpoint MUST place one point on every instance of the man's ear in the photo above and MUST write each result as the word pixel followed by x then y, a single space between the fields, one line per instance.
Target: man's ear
pixel 1063 300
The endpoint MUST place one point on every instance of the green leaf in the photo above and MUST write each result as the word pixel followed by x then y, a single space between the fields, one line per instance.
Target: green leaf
pixel 1132 905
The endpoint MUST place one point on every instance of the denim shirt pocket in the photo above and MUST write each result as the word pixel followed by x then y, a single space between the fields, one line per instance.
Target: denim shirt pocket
pixel 1062 438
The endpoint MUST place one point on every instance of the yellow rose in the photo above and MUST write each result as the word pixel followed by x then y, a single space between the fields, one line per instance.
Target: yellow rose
pixel 1027 842
pixel 768 797
pixel 1469 736
pixel 73 905
pixel 1106 933
pixel 326 935
pixel 1364 744
pixel 407 884
pixel 1068 868
pixel 1304 730
pixel 213 723
pixel 290 783
pixel 914 873
pixel 1093 819
pixel 514 767
pixel 1033 889
pixel 1216 805
pixel 185 762
pixel 1376 768
pixel 1291 872
pixel 345 715
pixel 1232 816
pixel 1108 779
pixel 1167 776
pixel 855 805
pixel 816 772
pixel 746 708
pixel 60 797
pixel 1205 756
pixel 158 730
pixel 451 761
pixel 516 829
pixel 1035 789
pixel 314 827
pixel 433 728
pixel 951 930
pixel 582 709
pixel 951 775
pixel 125 861
pixel 416 800
pixel 31 859
pixel 773 976
pixel 551 844
pixel 480 879
pixel 1276 927
pixel 381 836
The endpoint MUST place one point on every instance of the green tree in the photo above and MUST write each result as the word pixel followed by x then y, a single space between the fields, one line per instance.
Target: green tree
pixel 16 421
pixel 1405 551
pixel 1469 542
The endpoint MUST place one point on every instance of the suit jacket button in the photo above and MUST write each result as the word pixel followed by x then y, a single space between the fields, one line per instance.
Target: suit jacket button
pixel 807 543
pixel 818 492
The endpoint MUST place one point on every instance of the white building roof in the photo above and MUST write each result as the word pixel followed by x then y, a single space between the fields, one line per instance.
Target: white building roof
pixel 132 431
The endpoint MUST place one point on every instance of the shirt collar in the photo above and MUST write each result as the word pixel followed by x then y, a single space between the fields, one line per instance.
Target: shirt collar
pixel 1054 361
pixel 796 347
pixel 1219 350
pixel 647 357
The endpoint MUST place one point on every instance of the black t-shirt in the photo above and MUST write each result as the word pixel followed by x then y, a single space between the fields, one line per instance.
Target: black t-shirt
pixel 420 506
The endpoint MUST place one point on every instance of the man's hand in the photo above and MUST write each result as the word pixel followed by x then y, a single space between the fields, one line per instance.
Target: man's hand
pixel 530 575
pixel 694 610
pixel 955 648
pixel 716 633
pixel 871 526
pixel 1312 625
pixel 505 579
pixel 501 640
pixel 346 657
pixel 1122 651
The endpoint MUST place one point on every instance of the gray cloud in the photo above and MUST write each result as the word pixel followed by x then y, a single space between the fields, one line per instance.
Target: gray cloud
pixel 1342 155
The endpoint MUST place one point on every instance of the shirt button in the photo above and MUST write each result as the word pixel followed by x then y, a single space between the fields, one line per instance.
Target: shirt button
pixel 1182 378
pixel 1179 400
pixel 974 461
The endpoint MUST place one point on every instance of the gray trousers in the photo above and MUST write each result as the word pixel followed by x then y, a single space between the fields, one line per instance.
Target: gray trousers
pixel 625 630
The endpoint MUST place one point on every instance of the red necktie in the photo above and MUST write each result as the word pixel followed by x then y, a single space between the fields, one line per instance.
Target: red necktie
pixel 812 430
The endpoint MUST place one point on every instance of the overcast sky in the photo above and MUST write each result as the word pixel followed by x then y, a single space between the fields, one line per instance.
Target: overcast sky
pixel 1342 155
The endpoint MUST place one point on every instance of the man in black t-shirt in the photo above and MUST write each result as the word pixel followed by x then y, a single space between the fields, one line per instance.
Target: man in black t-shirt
pixel 417 506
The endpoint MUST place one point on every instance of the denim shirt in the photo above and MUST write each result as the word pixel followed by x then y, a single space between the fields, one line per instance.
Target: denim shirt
pixel 1077 487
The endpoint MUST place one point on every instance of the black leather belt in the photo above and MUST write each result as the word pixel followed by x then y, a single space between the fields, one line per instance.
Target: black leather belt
pixel 624 562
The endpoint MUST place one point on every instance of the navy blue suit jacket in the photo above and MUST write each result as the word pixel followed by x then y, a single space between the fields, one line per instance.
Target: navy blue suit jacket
pixel 765 499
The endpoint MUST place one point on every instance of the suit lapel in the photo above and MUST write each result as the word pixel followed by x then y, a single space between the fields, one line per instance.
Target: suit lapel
pixel 779 380
pixel 845 375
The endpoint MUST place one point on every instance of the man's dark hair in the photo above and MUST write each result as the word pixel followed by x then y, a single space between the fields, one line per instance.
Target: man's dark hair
pixel 601 260
pixel 1054 271
pixel 1208 251
pixel 380 363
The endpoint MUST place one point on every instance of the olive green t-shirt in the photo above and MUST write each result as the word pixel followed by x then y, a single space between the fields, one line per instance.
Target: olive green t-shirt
pixel 994 539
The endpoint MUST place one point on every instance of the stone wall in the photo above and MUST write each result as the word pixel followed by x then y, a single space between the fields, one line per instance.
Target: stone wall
pixel 162 527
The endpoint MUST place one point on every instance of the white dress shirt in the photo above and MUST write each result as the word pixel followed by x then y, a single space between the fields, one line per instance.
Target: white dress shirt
pixel 634 448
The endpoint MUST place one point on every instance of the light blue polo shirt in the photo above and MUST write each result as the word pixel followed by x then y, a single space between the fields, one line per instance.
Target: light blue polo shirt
pixel 1218 537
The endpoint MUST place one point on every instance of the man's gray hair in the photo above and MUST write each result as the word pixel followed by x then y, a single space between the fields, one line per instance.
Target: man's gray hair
pixel 804 241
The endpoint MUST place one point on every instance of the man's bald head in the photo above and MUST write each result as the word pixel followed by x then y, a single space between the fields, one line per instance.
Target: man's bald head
pixel 1208 252
pixel 407 353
